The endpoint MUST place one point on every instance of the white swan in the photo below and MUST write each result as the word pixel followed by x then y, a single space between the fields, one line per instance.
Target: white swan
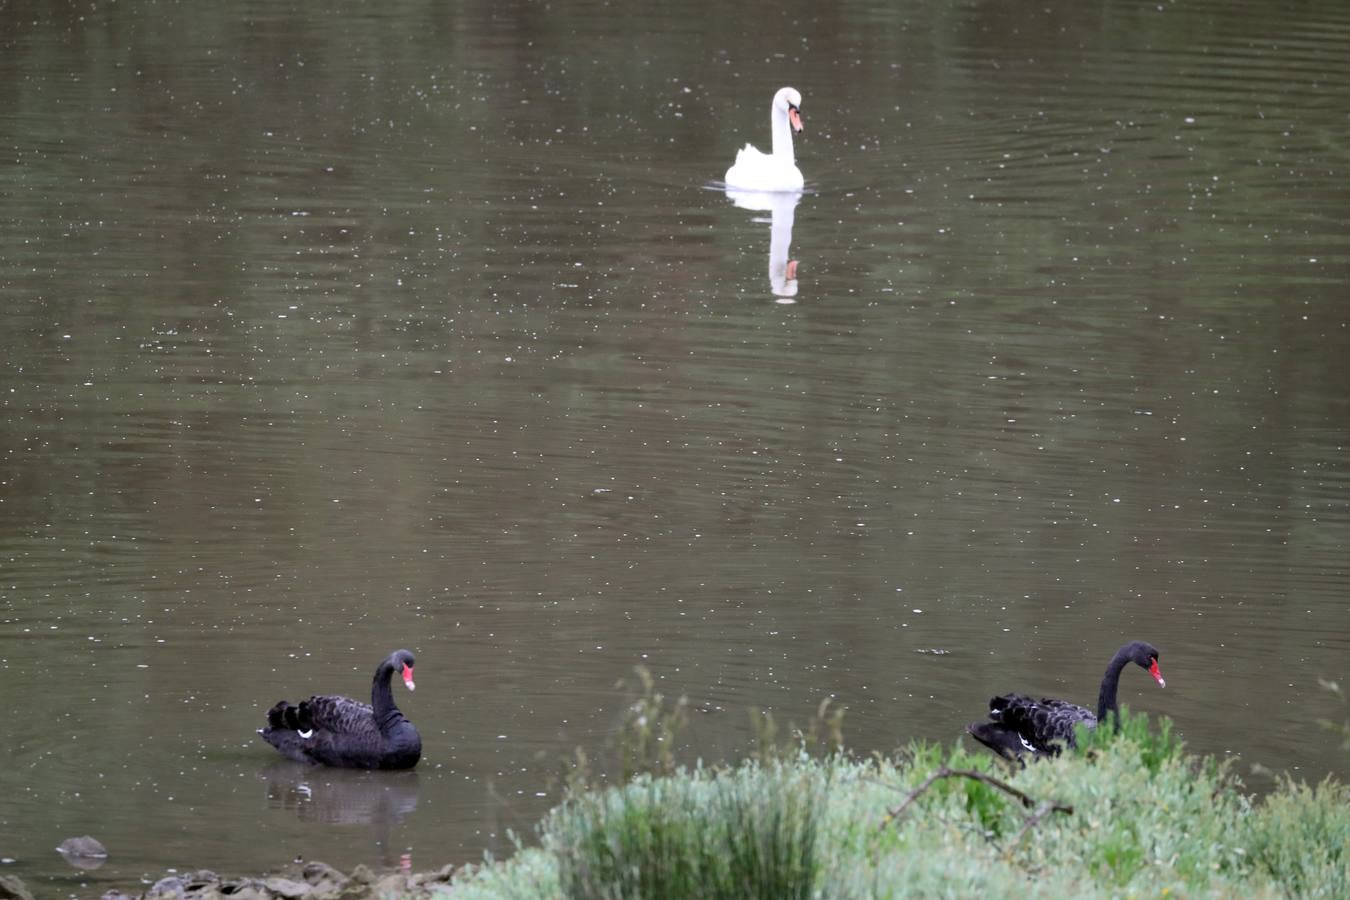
pixel 777 171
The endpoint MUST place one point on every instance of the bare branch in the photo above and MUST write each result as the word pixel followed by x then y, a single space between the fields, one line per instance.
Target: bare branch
pixel 1044 810
pixel 944 772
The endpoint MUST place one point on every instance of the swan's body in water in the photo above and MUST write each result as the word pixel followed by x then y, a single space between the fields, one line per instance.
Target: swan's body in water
pixel 776 171
pixel 1040 727
pixel 340 731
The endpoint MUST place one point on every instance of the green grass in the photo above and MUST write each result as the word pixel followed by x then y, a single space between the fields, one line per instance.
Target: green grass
pixel 745 833
pixel 1147 820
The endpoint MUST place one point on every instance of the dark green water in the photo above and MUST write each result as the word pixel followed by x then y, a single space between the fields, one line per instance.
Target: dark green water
pixel 327 333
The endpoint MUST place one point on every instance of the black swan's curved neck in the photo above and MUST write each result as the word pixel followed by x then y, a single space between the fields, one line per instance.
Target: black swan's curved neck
pixel 382 694
pixel 1106 698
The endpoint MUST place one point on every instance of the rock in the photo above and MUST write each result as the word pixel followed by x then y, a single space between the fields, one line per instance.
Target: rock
pixel 362 874
pixel 327 881
pixel 170 887
pixel 11 888
pixel 241 889
pixel 82 846
pixel 83 852
pixel 326 890
pixel 297 881
pixel 445 873
pixel 251 891
pixel 205 892
pixel 315 872
pixel 395 885
pixel 285 887
pixel 200 878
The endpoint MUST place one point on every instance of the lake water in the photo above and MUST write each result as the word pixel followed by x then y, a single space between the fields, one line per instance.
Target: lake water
pixel 428 325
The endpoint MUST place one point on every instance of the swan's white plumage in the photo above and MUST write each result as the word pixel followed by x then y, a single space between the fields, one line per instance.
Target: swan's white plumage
pixel 777 171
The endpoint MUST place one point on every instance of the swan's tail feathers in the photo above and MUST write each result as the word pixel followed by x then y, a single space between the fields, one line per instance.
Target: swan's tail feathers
pixel 289 717
pixel 1005 742
pixel 288 727
pixel 276 716
pixel 748 154
pixel 304 719
pixel 288 743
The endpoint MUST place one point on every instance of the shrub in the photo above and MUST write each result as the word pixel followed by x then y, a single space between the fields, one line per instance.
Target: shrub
pixel 1147 819
pixel 744 833
pixel 1299 837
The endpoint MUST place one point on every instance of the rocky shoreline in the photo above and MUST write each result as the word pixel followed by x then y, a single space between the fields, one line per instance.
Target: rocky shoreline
pixel 301 881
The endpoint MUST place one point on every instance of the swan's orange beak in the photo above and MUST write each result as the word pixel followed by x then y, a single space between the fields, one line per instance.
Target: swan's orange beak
pixel 795 118
pixel 1157 676
pixel 407 677
pixel 791 269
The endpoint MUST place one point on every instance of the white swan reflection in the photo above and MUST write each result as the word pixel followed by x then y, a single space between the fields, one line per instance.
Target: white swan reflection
pixel 781 206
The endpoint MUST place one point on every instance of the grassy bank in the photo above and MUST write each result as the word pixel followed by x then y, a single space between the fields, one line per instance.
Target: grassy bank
pixel 1131 815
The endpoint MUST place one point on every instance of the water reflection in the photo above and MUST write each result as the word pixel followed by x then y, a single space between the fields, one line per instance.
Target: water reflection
pixel 781 206
pixel 341 797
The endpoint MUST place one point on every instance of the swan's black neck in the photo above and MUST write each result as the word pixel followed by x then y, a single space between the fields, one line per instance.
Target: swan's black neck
pixel 1106 698
pixel 382 694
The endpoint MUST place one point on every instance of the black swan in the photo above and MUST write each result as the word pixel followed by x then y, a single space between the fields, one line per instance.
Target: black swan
pixel 1039 727
pixel 340 731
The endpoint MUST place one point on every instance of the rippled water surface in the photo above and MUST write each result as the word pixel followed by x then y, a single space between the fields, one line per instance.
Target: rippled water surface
pixel 330 332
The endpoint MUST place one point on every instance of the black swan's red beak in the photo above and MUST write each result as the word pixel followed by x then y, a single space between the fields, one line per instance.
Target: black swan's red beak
pixel 1153 670
pixel 407 677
